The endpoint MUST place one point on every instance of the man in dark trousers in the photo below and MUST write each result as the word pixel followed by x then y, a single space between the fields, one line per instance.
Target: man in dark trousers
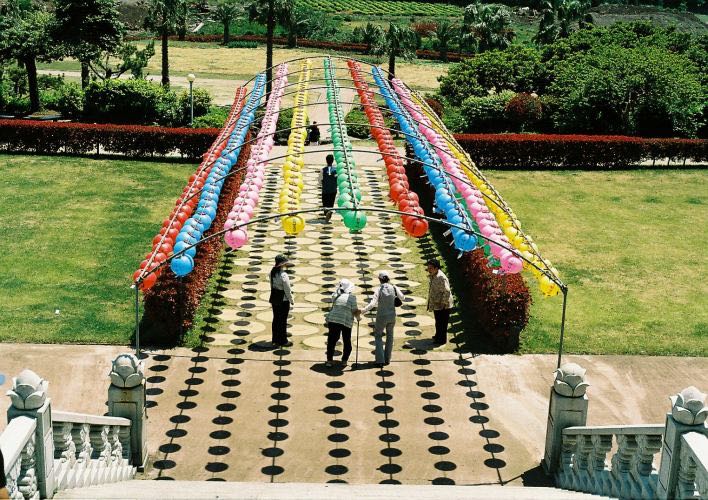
pixel 314 138
pixel 439 300
pixel 329 186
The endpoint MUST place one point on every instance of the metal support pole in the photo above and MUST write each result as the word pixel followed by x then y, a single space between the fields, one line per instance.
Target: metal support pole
pixel 137 321
pixel 560 344
pixel 191 105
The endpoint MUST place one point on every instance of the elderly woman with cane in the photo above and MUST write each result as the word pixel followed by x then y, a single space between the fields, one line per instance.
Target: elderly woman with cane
pixel 340 319
pixel 384 300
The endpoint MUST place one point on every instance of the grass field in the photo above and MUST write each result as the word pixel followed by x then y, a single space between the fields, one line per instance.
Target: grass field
pixel 629 244
pixel 74 232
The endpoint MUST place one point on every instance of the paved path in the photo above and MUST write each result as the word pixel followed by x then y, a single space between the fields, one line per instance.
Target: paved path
pixel 213 411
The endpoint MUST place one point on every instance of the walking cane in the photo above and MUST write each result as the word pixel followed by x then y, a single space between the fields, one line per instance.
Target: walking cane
pixel 356 355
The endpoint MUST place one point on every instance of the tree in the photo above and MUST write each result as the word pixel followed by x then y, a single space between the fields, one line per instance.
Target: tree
pixel 86 28
pixel 267 12
pixel 444 33
pixel 558 17
pixel 371 34
pixel 25 36
pixel 296 20
pixel 226 11
pixel 486 27
pixel 400 41
pixel 125 58
pixel 163 17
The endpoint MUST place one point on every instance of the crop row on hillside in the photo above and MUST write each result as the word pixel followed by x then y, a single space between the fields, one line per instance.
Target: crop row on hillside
pixel 381 7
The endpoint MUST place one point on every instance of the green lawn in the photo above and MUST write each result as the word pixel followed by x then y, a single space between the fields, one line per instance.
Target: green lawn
pixel 631 247
pixel 74 230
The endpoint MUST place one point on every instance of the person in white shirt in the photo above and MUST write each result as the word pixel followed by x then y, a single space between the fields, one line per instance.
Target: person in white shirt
pixel 281 298
pixel 384 300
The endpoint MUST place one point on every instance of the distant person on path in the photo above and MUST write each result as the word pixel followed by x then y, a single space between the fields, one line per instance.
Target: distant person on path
pixel 314 136
pixel 384 300
pixel 340 319
pixel 281 298
pixel 439 300
pixel 329 186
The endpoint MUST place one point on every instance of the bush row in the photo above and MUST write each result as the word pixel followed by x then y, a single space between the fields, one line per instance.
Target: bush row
pixel 173 300
pixel 532 151
pixel 499 304
pixel 316 44
pixel 80 138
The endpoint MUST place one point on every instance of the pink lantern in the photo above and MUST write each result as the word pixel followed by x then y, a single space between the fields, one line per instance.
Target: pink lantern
pixel 236 239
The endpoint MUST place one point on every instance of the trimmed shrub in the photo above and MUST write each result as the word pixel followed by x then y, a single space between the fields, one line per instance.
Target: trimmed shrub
pixel 67 99
pixel 172 299
pixel 499 304
pixel 486 114
pixel 357 123
pixel 524 110
pixel 130 101
pixel 215 118
pixel 81 138
pixel 541 151
pixel 202 104
pixel 435 105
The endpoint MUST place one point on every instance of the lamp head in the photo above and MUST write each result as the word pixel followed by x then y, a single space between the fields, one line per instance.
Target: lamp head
pixel 191 77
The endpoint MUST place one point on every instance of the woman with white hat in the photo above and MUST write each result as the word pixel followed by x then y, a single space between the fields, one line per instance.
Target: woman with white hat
pixel 340 319
pixel 384 300
pixel 281 298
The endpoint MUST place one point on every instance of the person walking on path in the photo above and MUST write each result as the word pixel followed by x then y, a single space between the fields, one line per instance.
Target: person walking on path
pixel 439 300
pixel 384 300
pixel 314 136
pixel 328 180
pixel 281 298
pixel 340 320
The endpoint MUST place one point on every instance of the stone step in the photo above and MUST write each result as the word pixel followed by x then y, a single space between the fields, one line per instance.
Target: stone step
pixel 164 490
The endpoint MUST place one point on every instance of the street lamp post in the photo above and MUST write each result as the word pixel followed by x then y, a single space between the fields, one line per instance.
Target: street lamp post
pixel 190 78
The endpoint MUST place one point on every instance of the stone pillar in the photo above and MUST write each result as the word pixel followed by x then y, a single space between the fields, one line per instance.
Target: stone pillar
pixel 568 408
pixel 29 399
pixel 126 398
pixel 688 414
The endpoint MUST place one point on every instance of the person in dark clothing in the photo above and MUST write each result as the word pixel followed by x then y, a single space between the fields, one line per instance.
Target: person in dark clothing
pixel 314 137
pixel 281 298
pixel 3 479
pixel 329 186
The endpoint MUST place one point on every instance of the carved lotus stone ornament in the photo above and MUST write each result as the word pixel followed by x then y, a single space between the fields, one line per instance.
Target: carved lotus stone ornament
pixel 570 380
pixel 127 371
pixel 689 406
pixel 29 391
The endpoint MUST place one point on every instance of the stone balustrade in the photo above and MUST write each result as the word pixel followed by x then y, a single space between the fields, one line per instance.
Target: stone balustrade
pixel 577 455
pixel 629 473
pixel 48 451
pixel 81 438
pixel 18 445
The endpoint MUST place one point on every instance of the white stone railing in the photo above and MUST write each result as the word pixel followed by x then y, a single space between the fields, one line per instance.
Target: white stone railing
pixel 630 472
pixel 18 444
pixel 576 454
pixel 693 472
pixel 47 451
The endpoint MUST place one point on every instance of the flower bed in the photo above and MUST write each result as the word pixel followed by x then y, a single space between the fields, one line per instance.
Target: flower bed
pixel 543 151
pixel 174 299
pixel 499 303
pixel 82 138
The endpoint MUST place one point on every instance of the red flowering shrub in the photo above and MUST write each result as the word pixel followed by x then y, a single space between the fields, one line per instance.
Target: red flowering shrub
pixel 500 304
pixel 172 299
pixel 543 151
pixel 435 105
pixel 82 138
pixel 524 110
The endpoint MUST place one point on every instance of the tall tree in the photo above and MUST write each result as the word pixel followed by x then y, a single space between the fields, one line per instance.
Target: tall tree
pixel 400 41
pixel 163 18
pixel 86 28
pixel 558 18
pixel 371 34
pixel 124 58
pixel 25 36
pixel 296 20
pixel 226 12
pixel 444 33
pixel 267 12
pixel 487 27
